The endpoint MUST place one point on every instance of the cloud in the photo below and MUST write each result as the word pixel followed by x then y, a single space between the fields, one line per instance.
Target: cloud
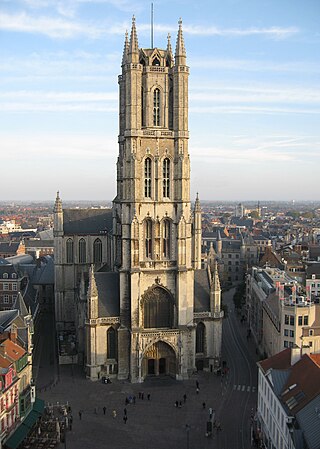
pixel 61 28
pixel 70 146
pixel 251 65
pixel 251 150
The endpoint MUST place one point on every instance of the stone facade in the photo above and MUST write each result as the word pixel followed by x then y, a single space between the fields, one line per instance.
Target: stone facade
pixel 150 308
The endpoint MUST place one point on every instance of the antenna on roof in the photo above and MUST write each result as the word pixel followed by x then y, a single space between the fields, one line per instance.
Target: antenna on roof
pixel 151 25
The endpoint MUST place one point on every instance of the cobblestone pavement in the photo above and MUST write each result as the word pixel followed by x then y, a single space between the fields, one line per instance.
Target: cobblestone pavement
pixel 153 424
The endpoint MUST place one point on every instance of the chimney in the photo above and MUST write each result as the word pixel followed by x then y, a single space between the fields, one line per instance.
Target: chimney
pixel 295 355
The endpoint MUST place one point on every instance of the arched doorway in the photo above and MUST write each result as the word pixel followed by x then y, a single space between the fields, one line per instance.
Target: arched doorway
pixel 159 360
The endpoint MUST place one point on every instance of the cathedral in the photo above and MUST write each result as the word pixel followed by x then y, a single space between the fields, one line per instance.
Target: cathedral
pixel 132 298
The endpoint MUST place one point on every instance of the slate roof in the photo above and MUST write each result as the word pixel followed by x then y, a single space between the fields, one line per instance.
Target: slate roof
pixel 39 243
pixel 47 234
pixel 231 245
pixel 87 221
pixel 313 269
pixel 9 247
pixel 279 379
pixel 109 294
pixel 201 291
pixel 314 251
pixel 309 420
pixel 6 317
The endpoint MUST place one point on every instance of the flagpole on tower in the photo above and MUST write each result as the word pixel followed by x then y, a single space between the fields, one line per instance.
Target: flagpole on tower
pixel 151 25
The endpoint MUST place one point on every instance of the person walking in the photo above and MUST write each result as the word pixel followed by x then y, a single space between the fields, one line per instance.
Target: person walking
pixel 114 413
pixel 197 384
pixel 184 398
pixel 80 414
pixel 104 409
pixel 148 396
pixel 203 405
pixel 125 412
pixel 197 390
pixel 125 419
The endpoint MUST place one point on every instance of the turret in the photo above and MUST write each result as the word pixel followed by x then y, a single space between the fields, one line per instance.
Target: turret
pixel 58 217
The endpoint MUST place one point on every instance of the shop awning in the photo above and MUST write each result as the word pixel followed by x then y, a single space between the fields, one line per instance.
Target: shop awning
pixel 25 427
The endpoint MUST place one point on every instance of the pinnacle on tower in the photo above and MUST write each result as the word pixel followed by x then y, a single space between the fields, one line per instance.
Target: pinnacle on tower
pixel 57 204
pixel 180 55
pixel 133 52
pixel 92 290
pixel 125 49
pixel 169 48
pixel 197 206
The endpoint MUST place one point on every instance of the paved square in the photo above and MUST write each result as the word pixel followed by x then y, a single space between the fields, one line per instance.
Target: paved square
pixel 154 423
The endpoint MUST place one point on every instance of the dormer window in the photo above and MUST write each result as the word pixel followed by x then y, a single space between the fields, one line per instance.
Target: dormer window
pixel 5 276
pixel 156 62
pixel 14 276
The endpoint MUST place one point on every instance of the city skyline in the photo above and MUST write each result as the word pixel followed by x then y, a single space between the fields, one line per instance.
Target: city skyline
pixel 254 96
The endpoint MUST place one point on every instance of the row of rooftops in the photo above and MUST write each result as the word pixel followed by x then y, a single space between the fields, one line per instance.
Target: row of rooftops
pixel 295 379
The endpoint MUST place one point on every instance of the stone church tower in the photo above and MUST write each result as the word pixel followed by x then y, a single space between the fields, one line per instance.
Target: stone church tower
pixel 130 288
pixel 153 221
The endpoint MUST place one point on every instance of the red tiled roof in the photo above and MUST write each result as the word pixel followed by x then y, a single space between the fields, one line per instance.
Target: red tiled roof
pixel 282 360
pixel 315 358
pixel 4 363
pixel 11 350
pixel 303 383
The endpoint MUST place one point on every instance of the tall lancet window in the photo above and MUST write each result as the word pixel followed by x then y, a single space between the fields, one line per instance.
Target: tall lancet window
pixel 148 238
pixel 97 251
pixel 166 231
pixel 69 248
pixel 156 107
pixel 166 178
pixel 147 178
pixel 200 337
pixel 82 251
pixel 143 109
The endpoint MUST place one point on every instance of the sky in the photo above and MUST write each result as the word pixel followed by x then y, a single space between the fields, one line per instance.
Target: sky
pixel 254 95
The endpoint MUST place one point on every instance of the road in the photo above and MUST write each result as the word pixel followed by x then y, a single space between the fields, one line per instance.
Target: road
pixel 239 387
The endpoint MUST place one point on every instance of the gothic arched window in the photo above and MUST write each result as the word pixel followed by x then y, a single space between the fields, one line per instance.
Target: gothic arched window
pixel 166 233
pixel 82 251
pixel 166 178
pixel 157 308
pixel 200 336
pixel 148 238
pixel 97 251
pixel 143 109
pixel 147 178
pixel 156 107
pixel 69 250
pixel 111 343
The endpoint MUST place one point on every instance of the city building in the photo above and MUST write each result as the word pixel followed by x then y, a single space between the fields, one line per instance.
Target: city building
pixel 9 248
pixel 279 316
pixel 145 307
pixel 289 400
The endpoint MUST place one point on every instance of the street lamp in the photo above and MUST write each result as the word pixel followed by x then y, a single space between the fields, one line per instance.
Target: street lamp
pixel 188 432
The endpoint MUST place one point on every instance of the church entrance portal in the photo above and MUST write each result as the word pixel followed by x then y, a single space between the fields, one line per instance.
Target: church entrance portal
pixel 159 360
pixel 151 366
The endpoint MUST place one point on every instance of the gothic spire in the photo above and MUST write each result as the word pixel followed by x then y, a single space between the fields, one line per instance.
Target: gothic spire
pixel 133 44
pixel 57 204
pixel 125 48
pixel 180 55
pixel 20 305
